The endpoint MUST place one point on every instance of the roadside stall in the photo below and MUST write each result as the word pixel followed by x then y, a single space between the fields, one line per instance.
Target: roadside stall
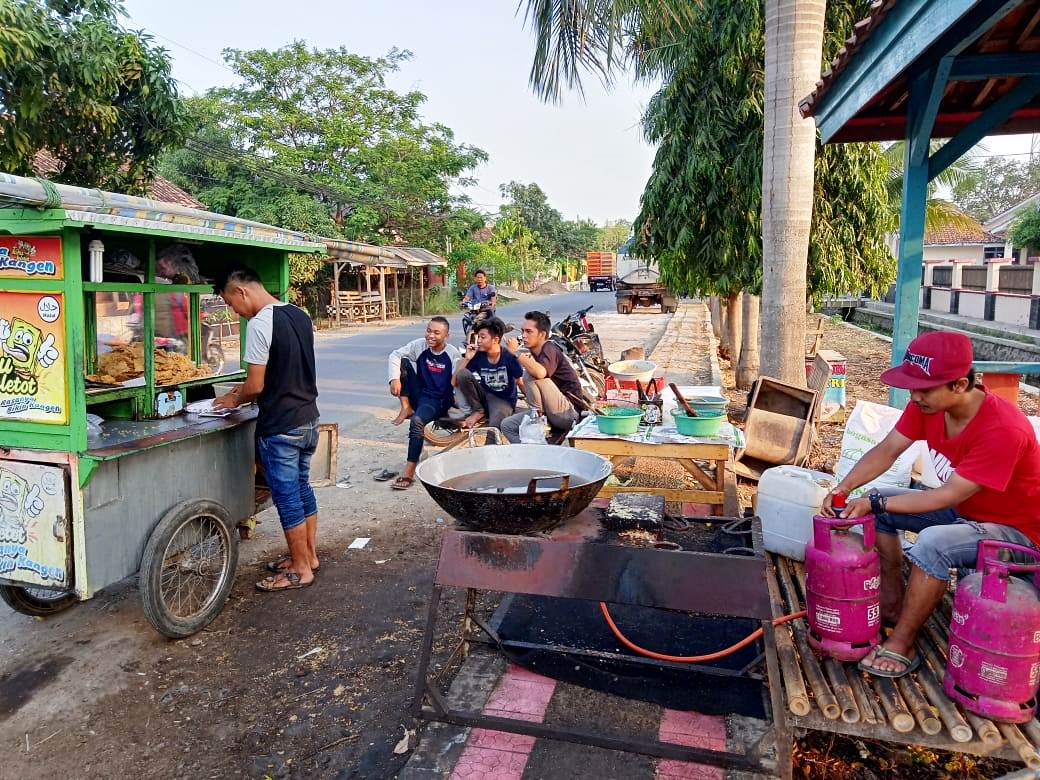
pixel 109 335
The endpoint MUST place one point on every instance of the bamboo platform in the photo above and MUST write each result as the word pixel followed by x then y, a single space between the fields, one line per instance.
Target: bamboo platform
pixel 831 696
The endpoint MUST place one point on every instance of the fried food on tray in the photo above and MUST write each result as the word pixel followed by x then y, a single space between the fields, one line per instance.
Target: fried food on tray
pixel 127 362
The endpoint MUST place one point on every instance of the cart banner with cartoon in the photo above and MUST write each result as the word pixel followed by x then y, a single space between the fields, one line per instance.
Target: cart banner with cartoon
pixel 32 357
pixel 30 257
pixel 33 532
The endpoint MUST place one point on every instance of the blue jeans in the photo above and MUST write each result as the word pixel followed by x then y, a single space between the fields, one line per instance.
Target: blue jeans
pixel 425 408
pixel 946 541
pixel 286 458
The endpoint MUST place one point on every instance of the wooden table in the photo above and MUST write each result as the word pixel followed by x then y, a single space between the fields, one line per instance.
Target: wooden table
pixel 716 482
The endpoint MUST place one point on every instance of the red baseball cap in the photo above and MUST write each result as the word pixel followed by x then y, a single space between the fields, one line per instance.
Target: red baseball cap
pixel 932 359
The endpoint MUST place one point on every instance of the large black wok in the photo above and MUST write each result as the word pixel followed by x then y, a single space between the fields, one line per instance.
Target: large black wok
pixel 516 488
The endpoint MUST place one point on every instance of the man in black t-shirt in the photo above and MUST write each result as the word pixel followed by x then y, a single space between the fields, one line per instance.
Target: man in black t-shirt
pixel 487 376
pixel 280 377
pixel 550 382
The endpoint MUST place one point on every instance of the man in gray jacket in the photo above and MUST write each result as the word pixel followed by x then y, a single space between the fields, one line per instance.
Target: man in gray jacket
pixel 420 375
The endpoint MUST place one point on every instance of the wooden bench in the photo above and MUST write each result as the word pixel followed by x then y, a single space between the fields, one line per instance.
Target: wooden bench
pixel 358 307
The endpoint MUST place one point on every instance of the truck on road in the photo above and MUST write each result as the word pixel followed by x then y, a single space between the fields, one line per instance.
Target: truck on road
pixel 643 287
pixel 601 269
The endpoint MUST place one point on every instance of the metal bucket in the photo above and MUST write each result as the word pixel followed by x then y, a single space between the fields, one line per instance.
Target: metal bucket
pixel 531 507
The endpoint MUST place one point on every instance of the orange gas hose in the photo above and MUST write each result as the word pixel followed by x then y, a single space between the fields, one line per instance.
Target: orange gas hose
pixel 690 659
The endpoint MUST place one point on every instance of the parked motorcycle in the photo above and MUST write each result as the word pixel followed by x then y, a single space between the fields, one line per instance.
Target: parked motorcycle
pixel 575 335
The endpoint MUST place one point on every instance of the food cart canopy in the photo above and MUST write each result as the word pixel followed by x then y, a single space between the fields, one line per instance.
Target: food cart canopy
pixel 85 206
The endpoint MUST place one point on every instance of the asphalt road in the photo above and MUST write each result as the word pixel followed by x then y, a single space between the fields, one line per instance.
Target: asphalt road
pixel 352 382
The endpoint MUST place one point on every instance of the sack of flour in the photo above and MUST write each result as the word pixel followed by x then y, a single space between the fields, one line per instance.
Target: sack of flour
pixel 867 426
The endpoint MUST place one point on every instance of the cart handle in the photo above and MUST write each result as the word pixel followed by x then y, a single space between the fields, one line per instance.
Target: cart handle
pixel 532 486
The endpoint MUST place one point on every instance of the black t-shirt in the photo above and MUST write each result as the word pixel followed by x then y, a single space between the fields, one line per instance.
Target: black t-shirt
pixel 282 338
pixel 499 378
pixel 559 370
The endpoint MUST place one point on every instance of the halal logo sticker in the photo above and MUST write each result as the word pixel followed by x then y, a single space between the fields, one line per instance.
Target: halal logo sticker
pixel 48 308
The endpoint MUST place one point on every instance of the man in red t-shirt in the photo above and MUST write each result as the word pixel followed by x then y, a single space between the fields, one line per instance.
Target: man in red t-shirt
pixel 986 455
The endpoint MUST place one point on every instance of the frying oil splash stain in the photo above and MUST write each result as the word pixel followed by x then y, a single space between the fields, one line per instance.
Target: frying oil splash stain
pixel 18 687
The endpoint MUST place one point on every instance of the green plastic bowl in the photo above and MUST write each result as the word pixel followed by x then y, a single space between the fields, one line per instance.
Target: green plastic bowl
pixel 706 423
pixel 708 404
pixel 619 420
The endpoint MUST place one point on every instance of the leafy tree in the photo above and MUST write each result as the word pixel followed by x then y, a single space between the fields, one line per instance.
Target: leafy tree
pixel 612 235
pixel 997 185
pixel 1025 232
pixel 72 81
pixel 324 122
pixel 701 208
pixel 556 238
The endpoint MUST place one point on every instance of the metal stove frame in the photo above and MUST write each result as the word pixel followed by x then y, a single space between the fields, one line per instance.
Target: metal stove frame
pixel 569 567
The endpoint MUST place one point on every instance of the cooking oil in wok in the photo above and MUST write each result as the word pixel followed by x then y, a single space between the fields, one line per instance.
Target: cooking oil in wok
pixel 509 481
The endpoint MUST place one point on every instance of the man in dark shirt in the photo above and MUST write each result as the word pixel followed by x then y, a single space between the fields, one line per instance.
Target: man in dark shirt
pixel 550 382
pixel 420 376
pixel 487 376
pixel 280 377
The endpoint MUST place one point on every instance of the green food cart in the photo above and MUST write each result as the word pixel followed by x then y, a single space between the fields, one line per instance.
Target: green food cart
pixel 110 336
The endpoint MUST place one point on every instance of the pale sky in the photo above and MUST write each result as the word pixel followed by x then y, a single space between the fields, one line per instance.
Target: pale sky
pixel 471 59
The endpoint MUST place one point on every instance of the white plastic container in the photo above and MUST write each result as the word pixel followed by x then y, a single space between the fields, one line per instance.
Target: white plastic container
pixel 788 497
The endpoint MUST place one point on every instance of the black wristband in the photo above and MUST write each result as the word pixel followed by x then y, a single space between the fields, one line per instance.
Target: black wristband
pixel 877 504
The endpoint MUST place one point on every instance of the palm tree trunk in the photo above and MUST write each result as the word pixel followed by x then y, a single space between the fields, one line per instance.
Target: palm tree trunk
pixel 716 316
pixel 733 327
pixel 794 44
pixel 747 368
pixel 724 344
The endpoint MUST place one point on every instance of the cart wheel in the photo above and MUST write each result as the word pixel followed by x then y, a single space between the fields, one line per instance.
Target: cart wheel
pixel 441 434
pixel 188 567
pixel 37 602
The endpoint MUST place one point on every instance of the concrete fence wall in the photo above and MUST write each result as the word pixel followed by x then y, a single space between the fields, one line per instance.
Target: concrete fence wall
pixel 996 291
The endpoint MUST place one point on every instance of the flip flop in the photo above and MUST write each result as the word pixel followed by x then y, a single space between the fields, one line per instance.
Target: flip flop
pixel 910 664
pixel 278 566
pixel 402 483
pixel 385 475
pixel 266 585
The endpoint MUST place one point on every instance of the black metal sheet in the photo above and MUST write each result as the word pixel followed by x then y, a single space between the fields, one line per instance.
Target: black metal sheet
pixel 692 582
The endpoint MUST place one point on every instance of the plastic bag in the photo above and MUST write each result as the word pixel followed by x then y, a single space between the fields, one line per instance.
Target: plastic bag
pixel 532 428
pixel 866 427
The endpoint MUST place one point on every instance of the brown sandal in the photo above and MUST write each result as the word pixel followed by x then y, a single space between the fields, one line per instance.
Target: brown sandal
pixel 267 585
pixel 403 483
pixel 278 566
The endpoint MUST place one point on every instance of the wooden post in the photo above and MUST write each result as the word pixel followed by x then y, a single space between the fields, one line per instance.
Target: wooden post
pixel 422 292
pixel 411 293
pixel 336 268
pixel 382 292
pixel 911 227
pixel 397 294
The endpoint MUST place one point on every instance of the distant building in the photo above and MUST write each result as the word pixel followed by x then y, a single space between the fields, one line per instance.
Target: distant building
pixel 1001 224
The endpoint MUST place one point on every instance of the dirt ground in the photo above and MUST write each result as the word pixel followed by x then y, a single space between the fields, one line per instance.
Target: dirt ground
pixel 315 683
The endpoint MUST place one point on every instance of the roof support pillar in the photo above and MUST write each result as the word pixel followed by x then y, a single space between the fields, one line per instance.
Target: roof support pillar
pixel 911 226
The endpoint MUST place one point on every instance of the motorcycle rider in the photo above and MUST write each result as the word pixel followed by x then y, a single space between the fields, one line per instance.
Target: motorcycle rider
pixel 551 384
pixel 480 292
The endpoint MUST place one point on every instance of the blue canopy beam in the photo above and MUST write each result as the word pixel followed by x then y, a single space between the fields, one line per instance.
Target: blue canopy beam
pixel 982 67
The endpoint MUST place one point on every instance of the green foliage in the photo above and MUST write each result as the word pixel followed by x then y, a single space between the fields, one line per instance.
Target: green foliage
pixel 314 140
pixel 555 237
pixel 939 212
pixel 997 185
pixel 1025 232
pixel 612 235
pixel 701 209
pixel 72 81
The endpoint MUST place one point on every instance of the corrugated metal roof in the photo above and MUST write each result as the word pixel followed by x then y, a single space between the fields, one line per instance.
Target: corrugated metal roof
pixel 89 206
pixel 46 164
pixel 360 253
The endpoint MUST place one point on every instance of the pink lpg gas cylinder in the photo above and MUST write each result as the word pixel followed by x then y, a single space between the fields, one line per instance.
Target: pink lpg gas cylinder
pixel 993 664
pixel 843 586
